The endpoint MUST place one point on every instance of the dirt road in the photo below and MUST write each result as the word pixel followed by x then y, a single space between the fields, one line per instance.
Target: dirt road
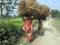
pixel 50 37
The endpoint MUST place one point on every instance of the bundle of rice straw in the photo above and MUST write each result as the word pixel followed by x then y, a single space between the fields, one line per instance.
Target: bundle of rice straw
pixel 31 7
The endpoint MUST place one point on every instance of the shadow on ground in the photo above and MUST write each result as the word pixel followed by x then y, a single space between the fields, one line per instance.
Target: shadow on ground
pixel 37 33
pixel 47 29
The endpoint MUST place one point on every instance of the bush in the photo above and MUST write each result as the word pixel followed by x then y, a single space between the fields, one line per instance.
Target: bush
pixel 9 34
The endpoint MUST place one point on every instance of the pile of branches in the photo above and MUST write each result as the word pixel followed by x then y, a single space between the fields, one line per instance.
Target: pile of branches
pixel 32 8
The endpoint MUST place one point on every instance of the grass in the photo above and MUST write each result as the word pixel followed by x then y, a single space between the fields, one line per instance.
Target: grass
pixel 56 24
pixel 16 21
pixel 57 20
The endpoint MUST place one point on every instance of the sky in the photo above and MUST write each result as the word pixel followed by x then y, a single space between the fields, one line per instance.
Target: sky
pixel 53 4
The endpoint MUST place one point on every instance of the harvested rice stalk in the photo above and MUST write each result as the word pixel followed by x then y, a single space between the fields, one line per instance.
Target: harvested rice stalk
pixel 31 7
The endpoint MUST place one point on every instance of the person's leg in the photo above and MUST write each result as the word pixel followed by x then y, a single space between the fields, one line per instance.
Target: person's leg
pixel 29 34
pixel 40 25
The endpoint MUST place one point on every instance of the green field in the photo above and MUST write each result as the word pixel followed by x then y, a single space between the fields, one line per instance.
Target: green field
pixel 16 21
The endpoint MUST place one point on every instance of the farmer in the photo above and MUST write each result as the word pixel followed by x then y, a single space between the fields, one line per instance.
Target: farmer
pixel 27 27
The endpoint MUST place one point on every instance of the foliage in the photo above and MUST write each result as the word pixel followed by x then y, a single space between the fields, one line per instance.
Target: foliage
pixel 56 24
pixel 55 13
pixel 10 33
pixel 8 8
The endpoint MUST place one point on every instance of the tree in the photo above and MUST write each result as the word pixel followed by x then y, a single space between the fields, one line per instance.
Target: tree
pixel 55 13
pixel 9 7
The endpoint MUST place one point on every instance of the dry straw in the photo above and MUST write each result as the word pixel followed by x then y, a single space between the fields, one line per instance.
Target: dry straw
pixel 31 7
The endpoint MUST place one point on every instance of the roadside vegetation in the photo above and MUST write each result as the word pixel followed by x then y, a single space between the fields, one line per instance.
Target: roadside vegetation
pixel 56 24
pixel 11 31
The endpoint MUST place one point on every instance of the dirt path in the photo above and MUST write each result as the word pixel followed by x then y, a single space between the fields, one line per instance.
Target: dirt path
pixel 50 37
